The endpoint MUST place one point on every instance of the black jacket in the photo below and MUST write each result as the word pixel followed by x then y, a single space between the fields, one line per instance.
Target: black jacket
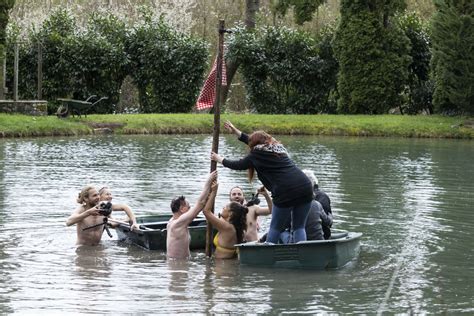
pixel 278 173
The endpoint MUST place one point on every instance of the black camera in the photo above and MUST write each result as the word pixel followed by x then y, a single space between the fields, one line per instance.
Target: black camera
pixel 105 208
pixel 254 200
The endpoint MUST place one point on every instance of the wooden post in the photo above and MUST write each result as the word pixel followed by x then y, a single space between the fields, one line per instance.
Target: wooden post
pixel 40 71
pixel 3 89
pixel 217 120
pixel 15 73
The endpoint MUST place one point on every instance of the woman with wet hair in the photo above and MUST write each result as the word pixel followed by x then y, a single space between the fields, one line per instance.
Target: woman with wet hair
pixel 231 226
pixel 291 189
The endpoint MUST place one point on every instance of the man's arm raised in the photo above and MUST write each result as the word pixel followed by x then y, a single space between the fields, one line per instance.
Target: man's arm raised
pixel 201 202
pixel 78 216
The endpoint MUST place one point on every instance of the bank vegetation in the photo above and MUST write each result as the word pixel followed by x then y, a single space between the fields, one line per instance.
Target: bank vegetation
pixel 433 126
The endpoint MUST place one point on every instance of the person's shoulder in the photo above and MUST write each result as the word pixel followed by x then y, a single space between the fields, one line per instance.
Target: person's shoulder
pixel 80 209
pixel 253 209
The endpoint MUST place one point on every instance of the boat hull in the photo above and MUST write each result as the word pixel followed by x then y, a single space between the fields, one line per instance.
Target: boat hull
pixel 316 254
pixel 152 235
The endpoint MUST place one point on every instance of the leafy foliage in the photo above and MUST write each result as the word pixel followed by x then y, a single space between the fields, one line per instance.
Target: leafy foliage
pixel 285 71
pixel 373 57
pixel 5 7
pixel 419 88
pixel 97 60
pixel 453 56
pixel 303 9
pixel 52 37
pixel 166 66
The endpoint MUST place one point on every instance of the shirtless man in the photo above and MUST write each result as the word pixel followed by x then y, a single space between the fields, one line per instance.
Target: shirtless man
pixel 236 194
pixel 177 236
pixel 87 215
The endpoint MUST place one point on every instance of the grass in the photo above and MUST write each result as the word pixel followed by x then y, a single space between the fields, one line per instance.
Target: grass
pixel 348 125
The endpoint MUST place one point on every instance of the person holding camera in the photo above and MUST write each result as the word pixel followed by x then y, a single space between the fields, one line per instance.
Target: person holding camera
pixel 90 217
pixel 177 232
pixel 255 210
pixel 105 195
pixel 291 189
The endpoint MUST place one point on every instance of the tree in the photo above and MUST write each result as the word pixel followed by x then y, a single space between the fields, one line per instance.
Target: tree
pixel 5 7
pixel 372 52
pixel 453 56
pixel 251 9
pixel 419 89
pixel 303 9
pixel 284 70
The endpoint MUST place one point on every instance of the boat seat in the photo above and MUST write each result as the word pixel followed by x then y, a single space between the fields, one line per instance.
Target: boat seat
pixel 339 235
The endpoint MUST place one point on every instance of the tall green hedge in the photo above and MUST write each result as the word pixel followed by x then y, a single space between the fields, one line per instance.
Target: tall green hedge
pixel 285 71
pixel 419 88
pixel 5 7
pixel 372 52
pixel 453 56
pixel 166 66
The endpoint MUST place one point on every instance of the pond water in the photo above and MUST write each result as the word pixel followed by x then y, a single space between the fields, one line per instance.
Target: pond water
pixel 411 198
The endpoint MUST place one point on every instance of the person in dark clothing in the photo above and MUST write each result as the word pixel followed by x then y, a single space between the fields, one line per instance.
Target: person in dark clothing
pixel 317 219
pixel 322 198
pixel 291 189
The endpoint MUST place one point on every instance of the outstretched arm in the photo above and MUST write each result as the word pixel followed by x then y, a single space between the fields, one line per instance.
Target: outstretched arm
pixel 216 222
pixel 241 136
pixel 128 211
pixel 201 202
pixel 265 210
pixel 78 216
pixel 231 128
pixel 242 164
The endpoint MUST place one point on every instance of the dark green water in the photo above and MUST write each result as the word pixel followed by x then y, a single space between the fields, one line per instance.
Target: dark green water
pixel 412 198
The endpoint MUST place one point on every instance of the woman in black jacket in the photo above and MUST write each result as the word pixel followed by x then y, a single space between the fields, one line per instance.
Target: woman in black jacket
pixel 291 189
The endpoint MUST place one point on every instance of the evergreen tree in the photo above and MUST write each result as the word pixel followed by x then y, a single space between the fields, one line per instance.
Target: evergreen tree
pixel 419 89
pixel 372 52
pixel 453 56
pixel 5 7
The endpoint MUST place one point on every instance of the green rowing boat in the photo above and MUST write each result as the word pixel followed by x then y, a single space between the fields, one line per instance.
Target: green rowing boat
pixel 314 254
pixel 152 233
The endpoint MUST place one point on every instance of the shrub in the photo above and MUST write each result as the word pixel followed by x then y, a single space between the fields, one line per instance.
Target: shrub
pixel 285 71
pixel 166 66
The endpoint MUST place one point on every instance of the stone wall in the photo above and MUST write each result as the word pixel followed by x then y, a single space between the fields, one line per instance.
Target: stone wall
pixel 32 107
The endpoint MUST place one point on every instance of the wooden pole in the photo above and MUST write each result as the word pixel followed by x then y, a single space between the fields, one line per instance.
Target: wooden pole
pixel 40 71
pixel 3 89
pixel 15 73
pixel 217 121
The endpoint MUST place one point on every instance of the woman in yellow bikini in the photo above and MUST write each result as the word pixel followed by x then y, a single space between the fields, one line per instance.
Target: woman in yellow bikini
pixel 231 226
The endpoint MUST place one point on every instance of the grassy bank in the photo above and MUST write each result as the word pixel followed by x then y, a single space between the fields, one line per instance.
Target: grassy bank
pixel 347 125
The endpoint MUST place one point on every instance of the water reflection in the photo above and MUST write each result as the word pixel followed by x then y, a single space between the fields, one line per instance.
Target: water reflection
pixel 92 263
pixel 412 199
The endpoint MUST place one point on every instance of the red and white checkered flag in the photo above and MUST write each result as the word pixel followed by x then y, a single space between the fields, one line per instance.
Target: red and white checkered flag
pixel 208 92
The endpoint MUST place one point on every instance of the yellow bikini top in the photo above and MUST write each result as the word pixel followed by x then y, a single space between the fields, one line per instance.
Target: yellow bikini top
pixel 232 250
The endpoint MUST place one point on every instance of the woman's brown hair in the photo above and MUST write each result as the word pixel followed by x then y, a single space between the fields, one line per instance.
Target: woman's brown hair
pixel 238 218
pixel 259 138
